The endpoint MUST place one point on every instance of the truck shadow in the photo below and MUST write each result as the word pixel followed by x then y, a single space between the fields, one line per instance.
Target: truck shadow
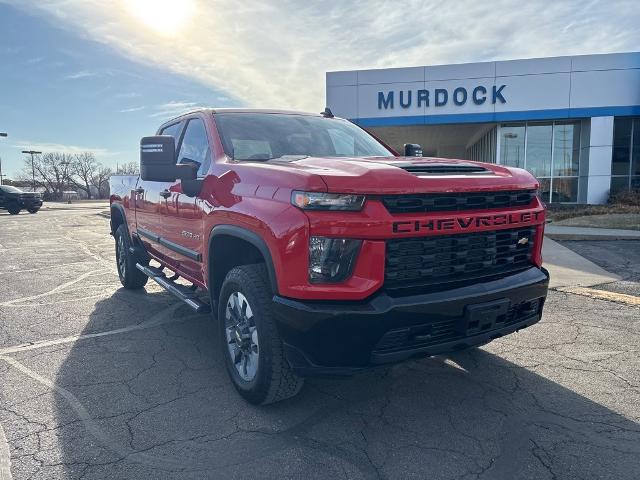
pixel 158 405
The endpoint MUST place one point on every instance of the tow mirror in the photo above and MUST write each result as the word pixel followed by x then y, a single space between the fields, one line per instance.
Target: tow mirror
pixel 412 150
pixel 158 161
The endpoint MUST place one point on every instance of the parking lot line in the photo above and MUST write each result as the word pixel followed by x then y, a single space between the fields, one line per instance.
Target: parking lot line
pixel 92 427
pixel 5 457
pixel 165 316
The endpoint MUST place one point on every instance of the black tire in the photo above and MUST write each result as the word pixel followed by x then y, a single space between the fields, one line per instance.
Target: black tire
pixel 33 210
pixel 13 209
pixel 130 277
pixel 273 380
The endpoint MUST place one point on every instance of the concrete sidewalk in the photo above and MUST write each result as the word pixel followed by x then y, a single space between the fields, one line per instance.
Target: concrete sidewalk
pixel 559 232
pixel 568 269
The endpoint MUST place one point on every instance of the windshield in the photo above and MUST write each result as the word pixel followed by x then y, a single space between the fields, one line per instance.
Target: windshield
pixel 10 189
pixel 265 136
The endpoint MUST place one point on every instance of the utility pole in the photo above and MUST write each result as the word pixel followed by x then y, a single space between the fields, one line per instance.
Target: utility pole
pixel 2 134
pixel 33 169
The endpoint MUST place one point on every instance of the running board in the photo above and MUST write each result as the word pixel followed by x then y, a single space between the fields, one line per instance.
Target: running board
pixel 186 294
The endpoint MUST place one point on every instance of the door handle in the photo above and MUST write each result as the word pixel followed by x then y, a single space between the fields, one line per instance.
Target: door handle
pixel 165 193
pixel 139 190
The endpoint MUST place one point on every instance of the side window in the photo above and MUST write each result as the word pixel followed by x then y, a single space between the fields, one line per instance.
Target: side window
pixel 195 146
pixel 172 130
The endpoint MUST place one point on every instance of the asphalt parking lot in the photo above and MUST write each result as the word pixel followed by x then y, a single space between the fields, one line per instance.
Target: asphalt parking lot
pixel 97 382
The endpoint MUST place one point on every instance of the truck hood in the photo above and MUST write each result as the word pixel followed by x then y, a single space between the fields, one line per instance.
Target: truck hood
pixel 396 175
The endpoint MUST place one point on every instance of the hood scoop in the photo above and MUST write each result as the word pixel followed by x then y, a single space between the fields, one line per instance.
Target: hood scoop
pixel 435 169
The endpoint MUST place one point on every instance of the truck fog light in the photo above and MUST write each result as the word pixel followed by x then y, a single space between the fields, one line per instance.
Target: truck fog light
pixel 331 260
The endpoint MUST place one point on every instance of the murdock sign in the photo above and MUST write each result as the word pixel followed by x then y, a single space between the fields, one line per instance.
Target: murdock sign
pixel 439 97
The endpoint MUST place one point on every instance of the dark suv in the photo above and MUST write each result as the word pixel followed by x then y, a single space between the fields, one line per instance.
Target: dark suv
pixel 13 199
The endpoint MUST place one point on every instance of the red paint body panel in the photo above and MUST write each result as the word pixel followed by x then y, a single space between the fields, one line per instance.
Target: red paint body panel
pixel 256 196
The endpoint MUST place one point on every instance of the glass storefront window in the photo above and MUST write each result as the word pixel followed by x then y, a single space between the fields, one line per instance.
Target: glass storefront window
pixel 539 149
pixel 635 149
pixel 551 153
pixel 566 149
pixel 619 184
pixel 512 145
pixel 621 146
pixel 564 190
pixel 625 162
pixel 545 188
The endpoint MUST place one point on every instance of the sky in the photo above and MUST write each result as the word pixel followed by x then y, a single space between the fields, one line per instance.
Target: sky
pixel 90 75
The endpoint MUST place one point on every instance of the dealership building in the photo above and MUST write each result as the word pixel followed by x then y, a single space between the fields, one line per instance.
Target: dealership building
pixel 574 122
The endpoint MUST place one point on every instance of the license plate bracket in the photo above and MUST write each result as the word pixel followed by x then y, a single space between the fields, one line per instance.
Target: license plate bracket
pixel 482 317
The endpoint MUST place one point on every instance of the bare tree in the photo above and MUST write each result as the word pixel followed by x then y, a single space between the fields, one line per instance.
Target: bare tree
pixel 129 168
pixel 83 169
pixel 52 171
pixel 100 181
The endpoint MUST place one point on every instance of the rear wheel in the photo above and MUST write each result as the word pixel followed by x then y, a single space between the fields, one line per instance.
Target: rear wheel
pixel 251 344
pixel 130 277
pixel 13 209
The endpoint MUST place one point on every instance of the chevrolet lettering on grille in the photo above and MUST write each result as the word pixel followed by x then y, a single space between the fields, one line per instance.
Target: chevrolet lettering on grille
pixel 463 223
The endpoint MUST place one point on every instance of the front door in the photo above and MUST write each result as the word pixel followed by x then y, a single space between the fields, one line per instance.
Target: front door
pixel 184 224
pixel 151 203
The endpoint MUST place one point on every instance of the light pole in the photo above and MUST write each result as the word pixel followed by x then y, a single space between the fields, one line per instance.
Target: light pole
pixel 33 170
pixel 2 134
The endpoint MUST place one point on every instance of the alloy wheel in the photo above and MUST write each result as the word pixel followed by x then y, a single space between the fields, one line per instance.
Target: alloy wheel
pixel 242 336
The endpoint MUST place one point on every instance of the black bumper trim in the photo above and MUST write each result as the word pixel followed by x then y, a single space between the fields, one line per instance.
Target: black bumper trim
pixel 342 337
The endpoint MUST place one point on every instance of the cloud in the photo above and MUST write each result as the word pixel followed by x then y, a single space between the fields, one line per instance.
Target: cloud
pixel 275 54
pixel 80 74
pixel 132 109
pixel 174 108
pixel 62 148
pixel 127 95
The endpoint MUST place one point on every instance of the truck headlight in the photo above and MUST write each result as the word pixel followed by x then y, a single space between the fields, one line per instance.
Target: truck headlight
pixel 326 201
pixel 331 260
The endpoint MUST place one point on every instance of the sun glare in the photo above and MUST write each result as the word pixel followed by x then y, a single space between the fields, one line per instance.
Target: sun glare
pixel 165 17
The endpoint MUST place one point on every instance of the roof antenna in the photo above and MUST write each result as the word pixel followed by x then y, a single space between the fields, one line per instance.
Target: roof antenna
pixel 327 113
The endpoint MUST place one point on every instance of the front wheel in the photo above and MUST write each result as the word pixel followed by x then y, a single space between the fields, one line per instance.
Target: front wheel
pixel 130 277
pixel 251 344
pixel 13 209
pixel 33 210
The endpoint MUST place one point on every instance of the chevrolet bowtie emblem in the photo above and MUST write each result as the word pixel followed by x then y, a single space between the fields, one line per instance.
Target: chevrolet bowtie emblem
pixel 523 241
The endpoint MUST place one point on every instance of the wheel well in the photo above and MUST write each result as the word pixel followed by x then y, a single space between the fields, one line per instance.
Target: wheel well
pixel 117 219
pixel 227 252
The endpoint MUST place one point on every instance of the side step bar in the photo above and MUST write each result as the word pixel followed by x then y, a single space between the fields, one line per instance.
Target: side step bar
pixel 186 294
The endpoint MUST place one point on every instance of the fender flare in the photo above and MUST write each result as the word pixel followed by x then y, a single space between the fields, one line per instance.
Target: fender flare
pixel 120 209
pixel 252 238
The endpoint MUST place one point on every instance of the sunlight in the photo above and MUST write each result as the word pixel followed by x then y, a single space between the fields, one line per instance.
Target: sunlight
pixel 162 16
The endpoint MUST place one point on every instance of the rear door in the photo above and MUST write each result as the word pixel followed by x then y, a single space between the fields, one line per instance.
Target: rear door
pixel 184 222
pixel 151 205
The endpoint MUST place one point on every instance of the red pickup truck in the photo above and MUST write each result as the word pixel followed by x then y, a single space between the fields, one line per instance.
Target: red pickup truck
pixel 320 250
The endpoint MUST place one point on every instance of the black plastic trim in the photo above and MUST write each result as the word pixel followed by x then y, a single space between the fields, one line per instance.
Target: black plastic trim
pixel 148 234
pixel 119 208
pixel 187 252
pixel 255 240
pixel 339 337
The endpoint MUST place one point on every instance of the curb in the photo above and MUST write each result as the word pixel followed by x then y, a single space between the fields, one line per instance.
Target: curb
pixel 589 237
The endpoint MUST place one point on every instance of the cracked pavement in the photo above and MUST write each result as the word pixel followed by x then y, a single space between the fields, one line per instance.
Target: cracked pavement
pixel 98 382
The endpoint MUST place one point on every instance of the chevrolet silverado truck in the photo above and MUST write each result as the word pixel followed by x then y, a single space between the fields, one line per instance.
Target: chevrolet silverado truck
pixel 13 200
pixel 320 250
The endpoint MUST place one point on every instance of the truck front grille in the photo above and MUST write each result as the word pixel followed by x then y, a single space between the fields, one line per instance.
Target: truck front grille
pixel 447 202
pixel 436 260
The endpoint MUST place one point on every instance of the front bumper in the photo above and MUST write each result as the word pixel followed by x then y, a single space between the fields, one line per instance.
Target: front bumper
pixel 337 338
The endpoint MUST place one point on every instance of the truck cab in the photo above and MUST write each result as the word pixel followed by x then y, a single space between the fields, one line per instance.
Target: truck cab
pixel 319 250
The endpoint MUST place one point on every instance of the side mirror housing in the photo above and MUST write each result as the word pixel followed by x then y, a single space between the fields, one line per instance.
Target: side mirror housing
pixel 158 161
pixel 412 150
